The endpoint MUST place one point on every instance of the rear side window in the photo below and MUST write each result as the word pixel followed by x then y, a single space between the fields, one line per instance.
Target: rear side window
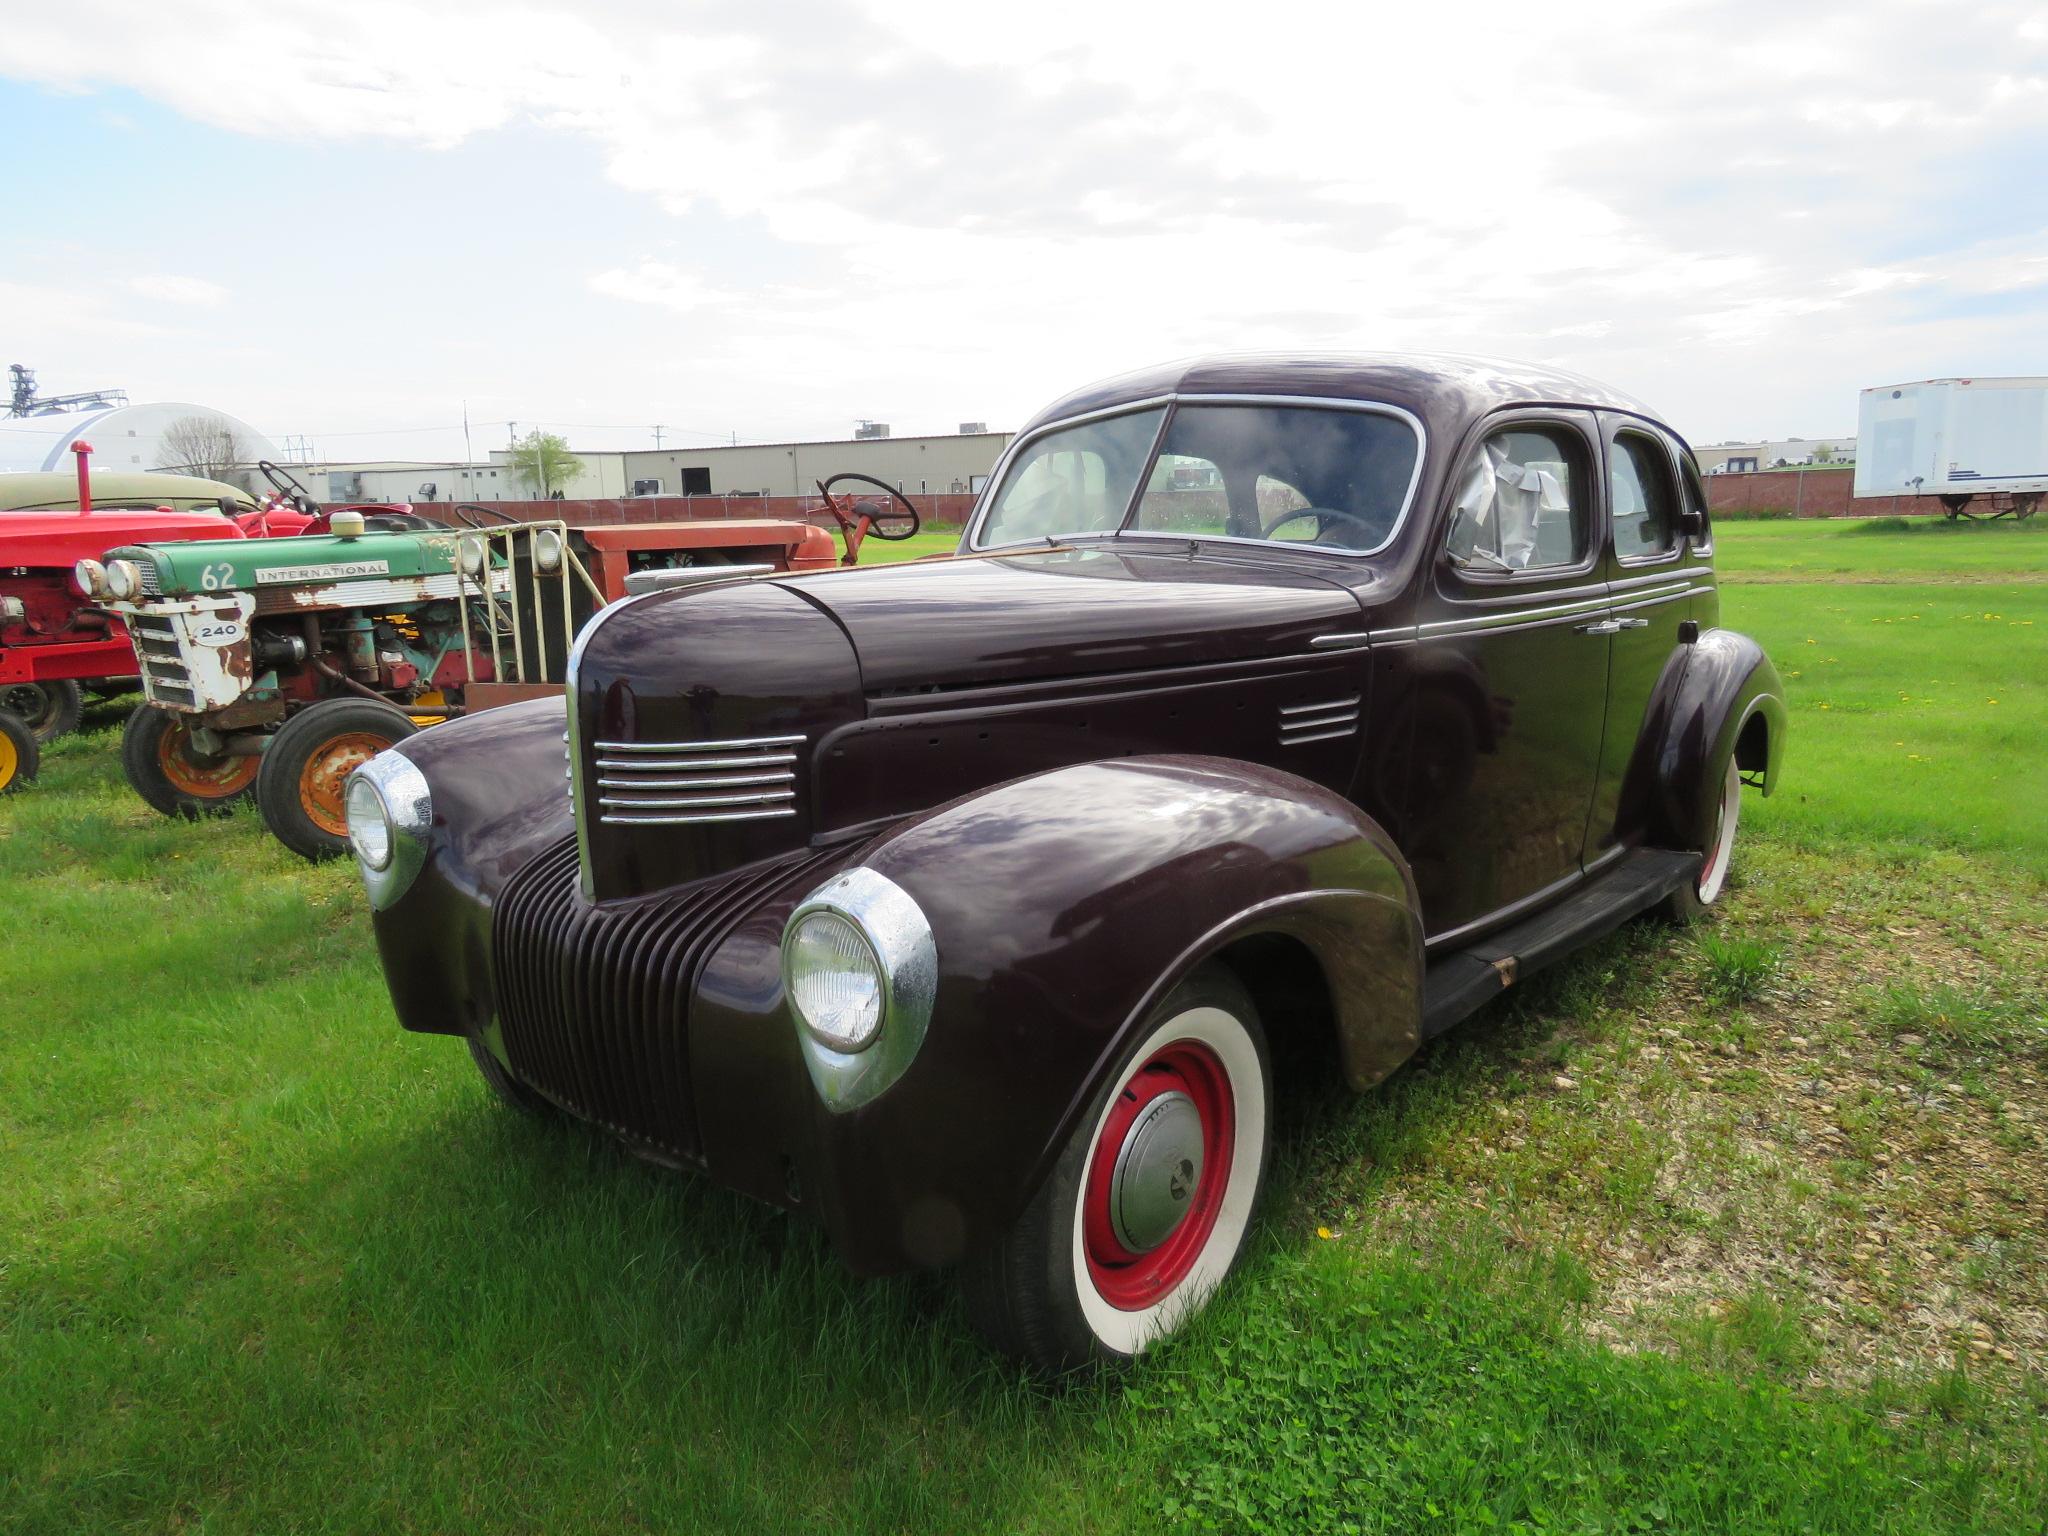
pixel 1521 505
pixel 1644 496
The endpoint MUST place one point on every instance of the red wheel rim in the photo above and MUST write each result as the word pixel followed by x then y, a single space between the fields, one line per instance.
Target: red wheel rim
pixel 1130 1280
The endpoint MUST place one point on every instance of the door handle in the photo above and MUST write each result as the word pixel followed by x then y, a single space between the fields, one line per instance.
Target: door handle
pixel 1632 623
pixel 1600 627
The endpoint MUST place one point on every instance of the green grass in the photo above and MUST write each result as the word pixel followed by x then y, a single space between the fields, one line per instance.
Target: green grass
pixel 1913 550
pixel 269 1263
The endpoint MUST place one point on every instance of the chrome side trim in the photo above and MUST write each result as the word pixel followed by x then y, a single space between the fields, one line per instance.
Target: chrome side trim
pixel 735 744
pixel 669 578
pixel 691 821
pixel 1351 640
pixel 690 764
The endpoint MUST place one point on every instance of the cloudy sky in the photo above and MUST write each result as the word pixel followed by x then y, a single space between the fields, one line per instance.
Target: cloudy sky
pixel 343 221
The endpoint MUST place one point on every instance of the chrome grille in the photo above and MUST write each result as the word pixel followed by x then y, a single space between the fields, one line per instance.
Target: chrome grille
pixel 685 783
pixel 1303 723
pixel 593 1001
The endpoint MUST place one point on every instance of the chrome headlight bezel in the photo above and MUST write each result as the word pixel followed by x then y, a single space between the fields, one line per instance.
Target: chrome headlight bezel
pixel 406 805
pixel 91 578
pixel 899 937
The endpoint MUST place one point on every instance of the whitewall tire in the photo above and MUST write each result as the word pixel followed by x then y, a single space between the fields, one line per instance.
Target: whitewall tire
pixel 1151 1200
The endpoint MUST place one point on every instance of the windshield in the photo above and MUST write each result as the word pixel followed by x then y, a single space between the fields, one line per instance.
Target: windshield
pixel 1292 474
pixel 1076 481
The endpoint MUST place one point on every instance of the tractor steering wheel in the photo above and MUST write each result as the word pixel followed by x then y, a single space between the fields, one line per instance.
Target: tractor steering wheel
pixel 868 514
pixel 285 483
pixel 467 510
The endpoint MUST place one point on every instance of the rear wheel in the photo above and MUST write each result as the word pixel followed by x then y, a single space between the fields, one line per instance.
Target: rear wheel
pixel 164 766
pixel 48 709
pixel 307 764
pixel 20 755
pixel 1704 889
pixel 1150 1202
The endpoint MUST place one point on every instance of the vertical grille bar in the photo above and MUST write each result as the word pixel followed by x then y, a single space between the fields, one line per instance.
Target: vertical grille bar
pixel 593 1000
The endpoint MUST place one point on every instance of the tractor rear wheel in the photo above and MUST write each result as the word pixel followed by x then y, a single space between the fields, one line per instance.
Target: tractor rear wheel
pixel 164 766
pixel 306 768
pixel 19 753
pixel 48 709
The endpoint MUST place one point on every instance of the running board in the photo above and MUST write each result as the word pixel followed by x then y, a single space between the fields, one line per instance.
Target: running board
pixel 1459 983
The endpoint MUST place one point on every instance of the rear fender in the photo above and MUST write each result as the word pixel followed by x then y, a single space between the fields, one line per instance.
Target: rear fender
pixel 1718 697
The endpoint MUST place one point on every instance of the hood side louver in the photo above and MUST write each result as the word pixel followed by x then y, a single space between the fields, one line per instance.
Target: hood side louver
pixel 684 783
pixel 1326 721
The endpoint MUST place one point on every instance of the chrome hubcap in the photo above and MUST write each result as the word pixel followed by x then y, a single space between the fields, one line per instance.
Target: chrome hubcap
pixel 1158 1170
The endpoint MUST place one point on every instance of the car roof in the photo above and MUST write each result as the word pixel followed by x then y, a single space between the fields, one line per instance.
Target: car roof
pixel 1445 390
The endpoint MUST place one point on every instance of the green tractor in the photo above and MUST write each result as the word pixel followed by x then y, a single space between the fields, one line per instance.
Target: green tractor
pixel 273 667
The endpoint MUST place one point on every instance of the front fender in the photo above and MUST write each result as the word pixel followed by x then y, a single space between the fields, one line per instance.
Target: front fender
pixel 498 799
pixel 1064 906
pixel 1706 704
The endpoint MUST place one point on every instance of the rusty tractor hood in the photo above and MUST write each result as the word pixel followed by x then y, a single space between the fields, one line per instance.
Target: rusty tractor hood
pixel 943 624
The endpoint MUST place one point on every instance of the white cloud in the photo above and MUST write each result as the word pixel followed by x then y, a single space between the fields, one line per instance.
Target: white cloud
pixel 169 288
pixel 1675 197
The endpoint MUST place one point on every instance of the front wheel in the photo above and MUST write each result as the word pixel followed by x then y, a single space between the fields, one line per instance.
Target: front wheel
pixel 166 767
pixel 1704 889
pixel 20 755
pixel 307 764
pixel 49 709
pixel 1150 1202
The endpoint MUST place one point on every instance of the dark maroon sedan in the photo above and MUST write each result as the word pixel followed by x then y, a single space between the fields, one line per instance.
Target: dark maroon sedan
pixel 955 904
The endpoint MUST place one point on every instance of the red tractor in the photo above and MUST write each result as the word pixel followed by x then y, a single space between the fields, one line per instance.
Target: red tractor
pixel 55 640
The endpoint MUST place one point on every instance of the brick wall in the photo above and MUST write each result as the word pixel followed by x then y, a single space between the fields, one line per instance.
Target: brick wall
pixel 1807 493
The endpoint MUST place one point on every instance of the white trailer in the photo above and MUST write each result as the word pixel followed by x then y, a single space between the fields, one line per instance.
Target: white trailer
pixel 1980 446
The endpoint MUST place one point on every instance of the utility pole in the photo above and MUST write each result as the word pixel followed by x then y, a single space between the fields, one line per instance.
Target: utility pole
pixel 468 453
pixel 658 430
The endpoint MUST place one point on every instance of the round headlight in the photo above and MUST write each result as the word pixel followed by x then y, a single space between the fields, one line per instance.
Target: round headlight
pixel 835 981
pixel 390 821
pixel 547 550
pixel 124 579
pixel 470 551
pixel 369 824
pixel 91 577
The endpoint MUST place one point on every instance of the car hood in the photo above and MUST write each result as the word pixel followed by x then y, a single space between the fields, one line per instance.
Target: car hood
pixel 941 624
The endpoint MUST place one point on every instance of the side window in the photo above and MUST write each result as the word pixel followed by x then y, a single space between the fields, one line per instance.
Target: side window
pixel 1521 504
pixel 1645 500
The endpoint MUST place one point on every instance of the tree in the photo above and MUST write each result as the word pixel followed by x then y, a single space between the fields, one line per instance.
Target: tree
pixel 202 445
pixel 543 461
pixel 1824 454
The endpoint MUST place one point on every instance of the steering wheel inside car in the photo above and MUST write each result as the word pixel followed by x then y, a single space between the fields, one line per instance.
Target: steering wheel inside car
pixel 858 519
pixel 1357 520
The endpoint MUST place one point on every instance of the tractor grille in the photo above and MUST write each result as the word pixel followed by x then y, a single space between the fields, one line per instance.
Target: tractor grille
pixel 1304 723
pixel 157 652
pixel 594 1000
pixel 684 783
pixel 152 584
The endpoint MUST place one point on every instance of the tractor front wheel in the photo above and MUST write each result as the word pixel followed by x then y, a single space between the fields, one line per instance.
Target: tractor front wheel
pixel 50 709
pixel 19 753
pixel 306 768
pixel 164 766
